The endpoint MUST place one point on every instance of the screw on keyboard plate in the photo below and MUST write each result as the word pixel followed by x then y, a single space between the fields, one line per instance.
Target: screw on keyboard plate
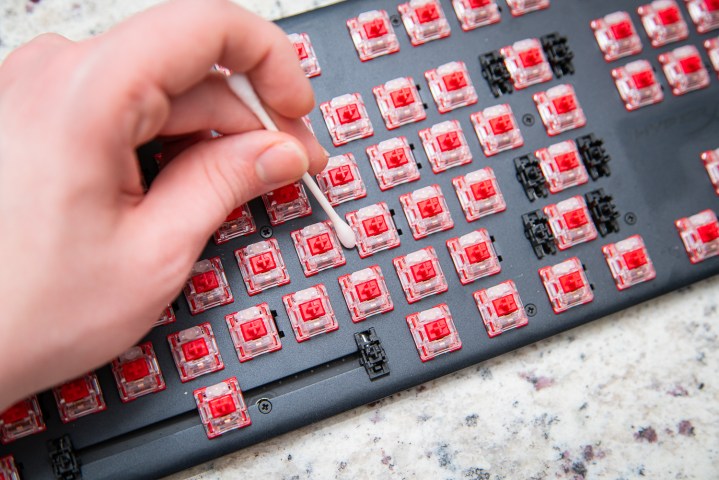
pixel 530 309
pixel 630 218
pixel 264 405
pixel 266 232
pixel 528 119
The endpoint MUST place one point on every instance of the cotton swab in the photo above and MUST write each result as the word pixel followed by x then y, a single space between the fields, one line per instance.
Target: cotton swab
pixel 241 86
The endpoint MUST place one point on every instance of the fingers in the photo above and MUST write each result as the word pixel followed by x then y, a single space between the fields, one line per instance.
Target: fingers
pixel 211 105
pixel 39 47
pixel 172 147
pixel 172 47
pixel 34 55
pixel 194 194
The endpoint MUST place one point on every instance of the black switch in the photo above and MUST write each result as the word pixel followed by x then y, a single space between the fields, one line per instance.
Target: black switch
pixel 65 464
pixel 372 354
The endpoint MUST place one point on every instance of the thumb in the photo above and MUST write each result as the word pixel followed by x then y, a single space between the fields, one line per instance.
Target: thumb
pixel 195 192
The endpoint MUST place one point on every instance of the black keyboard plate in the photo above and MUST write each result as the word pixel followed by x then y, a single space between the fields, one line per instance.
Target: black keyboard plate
pixel 656 175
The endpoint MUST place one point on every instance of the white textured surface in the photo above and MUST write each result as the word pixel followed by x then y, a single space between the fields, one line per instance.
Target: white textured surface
pixel 21 20
pixel 633 395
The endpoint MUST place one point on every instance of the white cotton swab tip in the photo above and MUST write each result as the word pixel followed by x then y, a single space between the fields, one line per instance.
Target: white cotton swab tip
pixel 241 86
pixel 345 234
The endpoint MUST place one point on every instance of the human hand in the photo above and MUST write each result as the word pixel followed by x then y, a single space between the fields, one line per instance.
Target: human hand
pixel 88 260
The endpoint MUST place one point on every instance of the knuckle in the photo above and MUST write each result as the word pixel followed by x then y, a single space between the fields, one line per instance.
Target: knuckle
pixel 39 45
pixel 220 3
pixel 148 109
pixel 211 6
pixel 16 58
pixel 50 38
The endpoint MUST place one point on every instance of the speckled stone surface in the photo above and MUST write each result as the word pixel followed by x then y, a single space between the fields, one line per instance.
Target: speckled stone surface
pixel 21 20
pixel 634 395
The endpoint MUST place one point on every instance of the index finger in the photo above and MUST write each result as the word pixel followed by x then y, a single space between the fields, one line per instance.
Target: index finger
pixel 174 45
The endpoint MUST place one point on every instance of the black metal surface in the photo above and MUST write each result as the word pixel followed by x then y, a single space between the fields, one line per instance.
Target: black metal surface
pixel 656 178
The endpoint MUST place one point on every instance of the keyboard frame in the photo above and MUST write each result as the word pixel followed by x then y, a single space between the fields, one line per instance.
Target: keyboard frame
pixel 161 433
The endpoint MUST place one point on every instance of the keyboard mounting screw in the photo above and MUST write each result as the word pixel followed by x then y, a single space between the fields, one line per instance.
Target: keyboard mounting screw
pixel 264 405
pixel 266 232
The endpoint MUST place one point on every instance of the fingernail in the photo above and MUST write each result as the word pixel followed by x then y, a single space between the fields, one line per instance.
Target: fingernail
pixel 327 154
pixel 281 163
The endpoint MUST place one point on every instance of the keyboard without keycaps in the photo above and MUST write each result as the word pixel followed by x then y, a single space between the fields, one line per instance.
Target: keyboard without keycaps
pixel 512 169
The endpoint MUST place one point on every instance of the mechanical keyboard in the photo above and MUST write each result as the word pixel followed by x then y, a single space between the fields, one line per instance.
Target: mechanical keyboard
pixel 511 169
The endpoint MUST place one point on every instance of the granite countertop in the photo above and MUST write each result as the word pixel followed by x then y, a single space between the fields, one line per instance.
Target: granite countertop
pixel 632 395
